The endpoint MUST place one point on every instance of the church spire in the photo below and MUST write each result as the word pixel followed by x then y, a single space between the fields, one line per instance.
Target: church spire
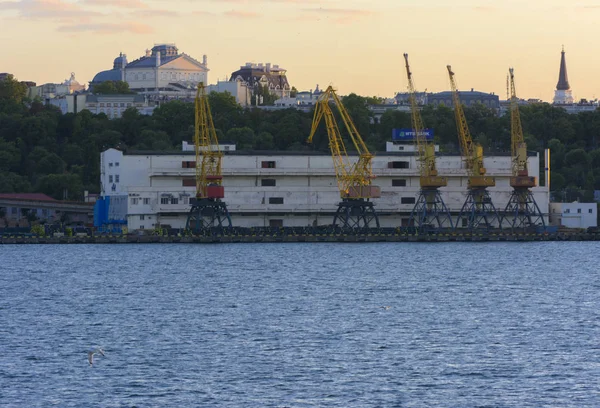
pixel 563 79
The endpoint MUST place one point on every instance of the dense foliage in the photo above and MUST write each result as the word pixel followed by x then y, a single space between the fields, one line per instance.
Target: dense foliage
pixel 42 150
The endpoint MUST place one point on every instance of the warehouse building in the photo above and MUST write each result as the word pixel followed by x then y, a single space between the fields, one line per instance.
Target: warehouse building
pixel 153 189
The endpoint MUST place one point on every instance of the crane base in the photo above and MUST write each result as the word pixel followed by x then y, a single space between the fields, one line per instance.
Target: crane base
pixel 478 211
pixel 522 211
pixel 207 213
pixel 430 213
pixel 355 214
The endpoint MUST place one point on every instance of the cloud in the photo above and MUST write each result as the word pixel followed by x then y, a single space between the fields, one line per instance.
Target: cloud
pixel 127 4
pixel 241 14
pixel 108 28
pixel 154 13
pixel 53 9
pixel 340 15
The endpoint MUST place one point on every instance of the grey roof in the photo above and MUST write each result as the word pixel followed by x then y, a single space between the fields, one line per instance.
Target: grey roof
pixel 110 75
pixel 150 61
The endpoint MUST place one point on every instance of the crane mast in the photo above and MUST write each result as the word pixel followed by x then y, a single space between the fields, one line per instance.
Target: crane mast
pixel 353 179
pixel 208 211
pixel 522 210
pixel 478 210
pixel 430 211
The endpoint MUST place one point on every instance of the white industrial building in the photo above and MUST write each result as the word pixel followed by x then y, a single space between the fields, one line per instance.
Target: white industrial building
pixel 283 188
pixel 574 215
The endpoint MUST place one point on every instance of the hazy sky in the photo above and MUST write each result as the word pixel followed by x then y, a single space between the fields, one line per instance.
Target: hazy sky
pixel 356 45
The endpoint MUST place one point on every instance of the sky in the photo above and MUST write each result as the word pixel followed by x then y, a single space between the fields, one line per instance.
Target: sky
pixel 354 45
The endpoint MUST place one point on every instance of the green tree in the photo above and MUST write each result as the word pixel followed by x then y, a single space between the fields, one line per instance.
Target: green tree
pixel 61 186
pixel 12 91
pixel 112 88
pixel 242 137
pixel 293 92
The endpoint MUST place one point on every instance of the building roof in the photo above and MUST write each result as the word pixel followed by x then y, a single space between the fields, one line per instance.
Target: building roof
pixel 110 75
pixel 27 196
pixel 563 79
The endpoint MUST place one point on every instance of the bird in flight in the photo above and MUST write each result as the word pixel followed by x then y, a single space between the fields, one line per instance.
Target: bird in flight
pixel 91 355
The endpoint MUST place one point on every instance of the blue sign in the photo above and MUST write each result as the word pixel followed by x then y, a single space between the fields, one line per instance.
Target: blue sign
pixel 408 135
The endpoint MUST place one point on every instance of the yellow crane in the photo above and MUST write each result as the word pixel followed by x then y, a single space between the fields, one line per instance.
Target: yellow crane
pixel 430 212
pixel 522 210
pixel 478 210
pixel 208 210
pixel 353 178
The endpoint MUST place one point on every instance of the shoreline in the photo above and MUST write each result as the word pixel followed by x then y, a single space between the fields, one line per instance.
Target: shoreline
pixel 273 238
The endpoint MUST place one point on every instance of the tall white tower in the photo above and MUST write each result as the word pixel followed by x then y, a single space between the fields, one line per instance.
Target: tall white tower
pixel 563 94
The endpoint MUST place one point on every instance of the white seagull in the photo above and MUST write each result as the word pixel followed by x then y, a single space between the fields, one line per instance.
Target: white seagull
pixel 91 355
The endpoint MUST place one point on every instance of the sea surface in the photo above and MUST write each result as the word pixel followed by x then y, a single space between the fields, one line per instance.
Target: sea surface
pixel 301 325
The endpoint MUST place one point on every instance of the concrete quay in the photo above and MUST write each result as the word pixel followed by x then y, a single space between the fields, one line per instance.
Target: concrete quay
pixel 271 238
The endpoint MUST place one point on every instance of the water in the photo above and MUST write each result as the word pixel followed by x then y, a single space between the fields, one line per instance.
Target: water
pixel 301 325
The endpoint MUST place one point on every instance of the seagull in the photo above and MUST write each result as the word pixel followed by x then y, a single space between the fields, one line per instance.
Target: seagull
pixel 91 355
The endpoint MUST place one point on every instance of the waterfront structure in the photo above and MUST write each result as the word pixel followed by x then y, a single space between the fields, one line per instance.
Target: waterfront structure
pixel 574 215
pixel 563 94
pixel 263 75
pixel 150 189
pixel 18 206
pixel 162 72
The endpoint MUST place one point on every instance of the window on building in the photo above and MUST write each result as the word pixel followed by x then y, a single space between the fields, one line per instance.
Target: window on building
pixel 141 227
pixel 116 178
pixel 13 211
pixel 110 179
pixel 188 182
pixel 146 201
pixel 134 201
pixel 402 164
pixel 407 200
pixel 174 200
pixel 276 223
pixel 164 200
pixel 590 211
pixel 110 164
pixel 398 182
pixel 116 164
pixel 275 200
pixel 268 165
pixel 185 200
pixel 141 218
pixel 579 211
pixel 102 105
pixel 568 211
pixel 267 182
pixel 108 105
pixel 188 164
pixel 122 104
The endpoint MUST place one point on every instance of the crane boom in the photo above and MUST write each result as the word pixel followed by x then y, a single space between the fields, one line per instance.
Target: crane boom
pixel 208 156
pixel 520 170
pixel 354 179
pixel 472 152
pixel 427 166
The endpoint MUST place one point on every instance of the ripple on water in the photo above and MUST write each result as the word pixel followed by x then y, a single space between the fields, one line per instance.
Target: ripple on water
pixel 301 325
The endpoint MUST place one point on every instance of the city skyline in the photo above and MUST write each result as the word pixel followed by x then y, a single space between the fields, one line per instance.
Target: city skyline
pixel 355 45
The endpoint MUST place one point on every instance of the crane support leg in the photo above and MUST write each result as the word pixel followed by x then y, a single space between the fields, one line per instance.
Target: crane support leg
pixel 430 213
pixel 355 214
pixel 207 213
pixel 479 211
pixel 522 211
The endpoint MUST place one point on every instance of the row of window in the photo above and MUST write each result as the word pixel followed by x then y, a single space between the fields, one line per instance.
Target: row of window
pixel 271 164
pixel 136 201
pixel 116 178
pixel 116 105
pixel 568 211
pixel 116 164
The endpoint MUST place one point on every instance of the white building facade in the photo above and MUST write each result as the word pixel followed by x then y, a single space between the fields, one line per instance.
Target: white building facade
pixel 574 215
pixel 279 188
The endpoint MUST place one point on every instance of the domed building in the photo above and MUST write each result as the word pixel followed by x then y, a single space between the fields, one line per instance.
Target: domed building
pixel 163 71
pixel 115 74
